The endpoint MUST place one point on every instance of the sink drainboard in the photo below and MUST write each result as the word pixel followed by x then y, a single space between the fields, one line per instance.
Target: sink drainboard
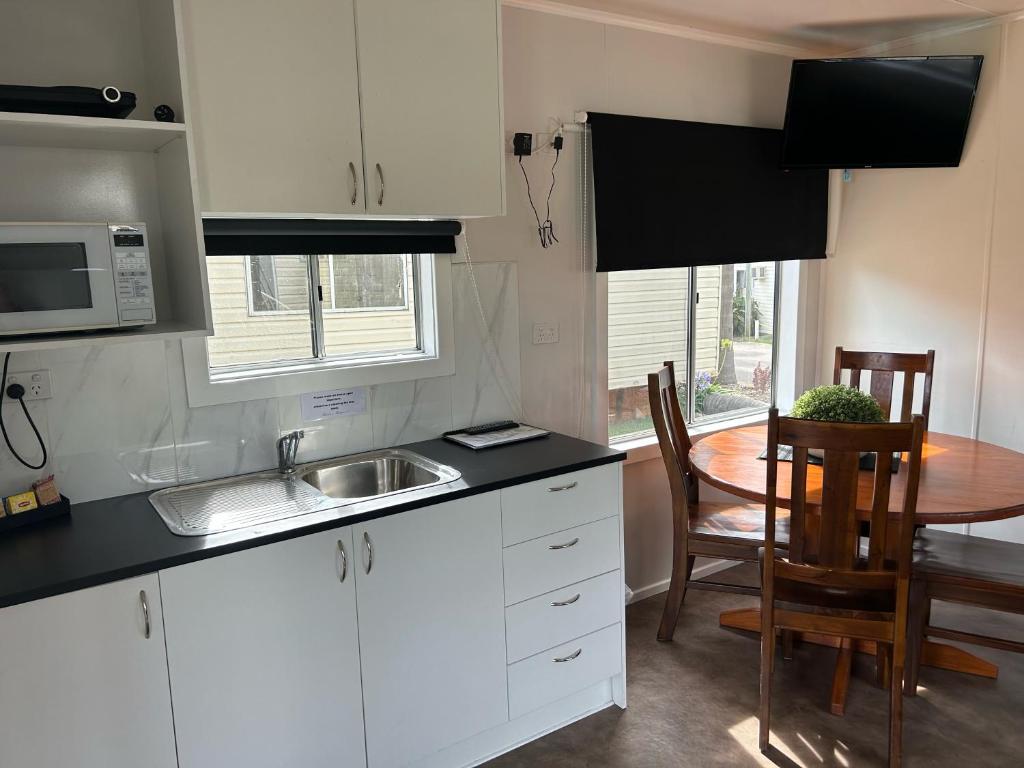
pixel 226 505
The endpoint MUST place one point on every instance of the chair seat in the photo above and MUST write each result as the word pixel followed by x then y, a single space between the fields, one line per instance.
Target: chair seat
pixel 956 556
pixel 731 522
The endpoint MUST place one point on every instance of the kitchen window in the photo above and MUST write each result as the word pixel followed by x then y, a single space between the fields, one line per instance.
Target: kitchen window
pixel 716 323
pixel 286 324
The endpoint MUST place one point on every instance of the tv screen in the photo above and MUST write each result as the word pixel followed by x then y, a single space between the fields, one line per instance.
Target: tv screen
pixel 879 113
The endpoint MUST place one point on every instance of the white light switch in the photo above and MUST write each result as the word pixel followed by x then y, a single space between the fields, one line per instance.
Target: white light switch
pixel 545 333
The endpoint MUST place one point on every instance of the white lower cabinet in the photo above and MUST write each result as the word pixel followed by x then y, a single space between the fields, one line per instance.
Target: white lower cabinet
pixel 83 680
pixel 263 655
pixel 431 628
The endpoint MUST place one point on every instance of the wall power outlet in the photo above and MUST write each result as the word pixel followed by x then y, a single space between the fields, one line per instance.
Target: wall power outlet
pixel 545 333
pixel 36 384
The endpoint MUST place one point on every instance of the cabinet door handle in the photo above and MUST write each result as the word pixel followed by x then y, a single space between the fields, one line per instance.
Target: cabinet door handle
pixel 368 544
pixel 567 544
pixel 147 625
pixel 562 603
pixel 355 182
pixel 344 560
pixel 380 177
pixel 566 487
pixel 570 657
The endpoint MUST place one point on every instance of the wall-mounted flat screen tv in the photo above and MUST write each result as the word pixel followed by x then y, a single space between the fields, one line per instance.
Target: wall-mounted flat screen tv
pixel 879 112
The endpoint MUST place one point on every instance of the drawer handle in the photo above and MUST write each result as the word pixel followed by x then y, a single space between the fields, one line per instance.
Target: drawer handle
pixel 566 487
pixel 561 603
pixel 570 657
pixel 144 602
pixel 567 544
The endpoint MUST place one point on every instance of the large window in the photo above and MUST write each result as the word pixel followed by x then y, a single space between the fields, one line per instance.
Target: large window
pixel 717 324
pixel 274 311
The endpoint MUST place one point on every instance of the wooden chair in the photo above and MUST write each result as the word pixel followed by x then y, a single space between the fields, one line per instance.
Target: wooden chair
pixel 883 366
pixel 961 569
pixel 721 531
pixel 825 584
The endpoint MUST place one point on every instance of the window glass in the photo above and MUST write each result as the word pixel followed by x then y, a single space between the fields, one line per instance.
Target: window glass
pixel 734 339
pixel 260 307
pixel 369 308
pixel 731 341
pixel 648 314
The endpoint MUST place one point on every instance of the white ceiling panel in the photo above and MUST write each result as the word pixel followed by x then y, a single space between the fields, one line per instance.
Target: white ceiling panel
pixel 820 25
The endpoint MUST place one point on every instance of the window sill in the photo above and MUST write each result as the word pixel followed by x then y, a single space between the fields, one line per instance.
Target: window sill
pixel 646 448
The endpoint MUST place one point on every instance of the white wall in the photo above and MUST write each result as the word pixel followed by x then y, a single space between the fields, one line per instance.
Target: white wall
pixel 931 258
pixel 554 66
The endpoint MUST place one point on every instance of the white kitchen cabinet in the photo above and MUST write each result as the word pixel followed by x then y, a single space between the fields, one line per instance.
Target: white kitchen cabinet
pixel 430 79
pixel 263 655
pixel 275 105
pixel 432 628
pixel 82 685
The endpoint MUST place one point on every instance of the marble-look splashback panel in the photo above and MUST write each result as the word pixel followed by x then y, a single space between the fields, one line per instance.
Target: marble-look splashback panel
pixel 119 420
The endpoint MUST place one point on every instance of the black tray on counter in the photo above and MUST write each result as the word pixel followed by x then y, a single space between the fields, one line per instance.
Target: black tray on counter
pixel 37 515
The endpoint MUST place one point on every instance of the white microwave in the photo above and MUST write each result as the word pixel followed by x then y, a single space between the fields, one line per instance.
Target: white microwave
pixel 60 277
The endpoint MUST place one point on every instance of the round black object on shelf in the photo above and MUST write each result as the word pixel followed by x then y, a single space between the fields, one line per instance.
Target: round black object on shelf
pixel 164 114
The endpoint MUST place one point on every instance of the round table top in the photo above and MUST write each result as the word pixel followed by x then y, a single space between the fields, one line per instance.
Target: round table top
pixel 962 480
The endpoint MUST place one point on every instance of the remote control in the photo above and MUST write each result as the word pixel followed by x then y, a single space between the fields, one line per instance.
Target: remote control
pixel 493 426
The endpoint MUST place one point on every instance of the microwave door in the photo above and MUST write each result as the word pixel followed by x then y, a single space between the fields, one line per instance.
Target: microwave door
pixel 54 286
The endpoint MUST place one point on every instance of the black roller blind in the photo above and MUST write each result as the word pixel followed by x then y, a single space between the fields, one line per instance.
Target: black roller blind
pixel 283 237
pixel 671 193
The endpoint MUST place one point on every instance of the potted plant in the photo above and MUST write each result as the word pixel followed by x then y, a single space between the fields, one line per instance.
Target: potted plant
pixel 837 402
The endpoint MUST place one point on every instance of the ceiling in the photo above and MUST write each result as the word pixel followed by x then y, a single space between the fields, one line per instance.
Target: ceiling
pixel 825 26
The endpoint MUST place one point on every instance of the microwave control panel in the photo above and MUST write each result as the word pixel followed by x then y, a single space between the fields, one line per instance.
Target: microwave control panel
pixel 133 274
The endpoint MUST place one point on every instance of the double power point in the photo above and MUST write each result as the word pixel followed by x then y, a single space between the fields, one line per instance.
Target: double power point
pixel 35 383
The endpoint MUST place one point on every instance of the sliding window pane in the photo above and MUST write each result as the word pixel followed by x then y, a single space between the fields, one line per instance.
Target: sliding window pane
pixel 734 337
pixel 648 313
pixel 260 307
pixel 369 305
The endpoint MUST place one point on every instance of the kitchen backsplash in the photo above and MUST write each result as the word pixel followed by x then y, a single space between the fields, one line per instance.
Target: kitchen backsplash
pixel 119 420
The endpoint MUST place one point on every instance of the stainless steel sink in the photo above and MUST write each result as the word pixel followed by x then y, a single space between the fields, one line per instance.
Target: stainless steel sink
pixel 267 497
pixel 377 474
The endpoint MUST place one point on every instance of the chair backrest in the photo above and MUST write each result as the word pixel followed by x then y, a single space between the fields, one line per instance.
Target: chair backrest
pixel 673 438
pixel 883 366
pixel 825 551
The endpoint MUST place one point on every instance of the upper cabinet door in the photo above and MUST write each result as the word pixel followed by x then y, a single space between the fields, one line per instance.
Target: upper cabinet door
pixel 264 656
pixel 431 628
pixel 274 102
pixel 83 680
pixel 430 79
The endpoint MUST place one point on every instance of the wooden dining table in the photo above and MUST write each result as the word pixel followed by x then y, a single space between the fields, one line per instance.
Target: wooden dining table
pixel 962 481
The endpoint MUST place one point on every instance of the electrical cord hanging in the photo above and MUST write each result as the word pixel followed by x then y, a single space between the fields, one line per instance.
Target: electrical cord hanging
pixel 536 215
pixel 547 228
pixel 3 427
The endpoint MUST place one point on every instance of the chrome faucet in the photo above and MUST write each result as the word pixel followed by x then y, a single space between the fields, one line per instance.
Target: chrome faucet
pixel 287 448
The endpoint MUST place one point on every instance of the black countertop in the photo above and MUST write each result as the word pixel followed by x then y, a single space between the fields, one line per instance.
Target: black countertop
pixel 118 538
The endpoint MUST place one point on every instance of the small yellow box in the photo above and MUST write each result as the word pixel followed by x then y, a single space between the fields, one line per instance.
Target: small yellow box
pixel 21 502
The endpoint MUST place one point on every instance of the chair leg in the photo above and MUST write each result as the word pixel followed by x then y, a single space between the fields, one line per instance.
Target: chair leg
pixel 919 609
pixel 682 569
pixel 767 664
pixel 896 715
pixel 883 664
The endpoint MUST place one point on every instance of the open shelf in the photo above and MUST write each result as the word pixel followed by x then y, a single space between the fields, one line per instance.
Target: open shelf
pixel 161 331
pixel 23 129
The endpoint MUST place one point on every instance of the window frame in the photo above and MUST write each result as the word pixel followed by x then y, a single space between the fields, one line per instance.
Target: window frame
pixel 691 362
pixel 435 356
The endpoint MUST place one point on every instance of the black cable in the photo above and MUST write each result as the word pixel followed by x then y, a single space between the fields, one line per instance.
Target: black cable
pixel 536 215
pixel 3 427
pixel 548 229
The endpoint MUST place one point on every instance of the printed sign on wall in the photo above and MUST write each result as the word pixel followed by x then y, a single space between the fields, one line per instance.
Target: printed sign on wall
pixel 333 402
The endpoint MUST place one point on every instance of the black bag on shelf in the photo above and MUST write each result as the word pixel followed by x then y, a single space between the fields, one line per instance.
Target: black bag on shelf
pixel 67 100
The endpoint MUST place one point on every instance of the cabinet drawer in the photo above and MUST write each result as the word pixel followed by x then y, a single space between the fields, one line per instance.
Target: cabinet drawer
pixel 546 506
pixel 542 679
pixel 557 617
pixel 548 563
